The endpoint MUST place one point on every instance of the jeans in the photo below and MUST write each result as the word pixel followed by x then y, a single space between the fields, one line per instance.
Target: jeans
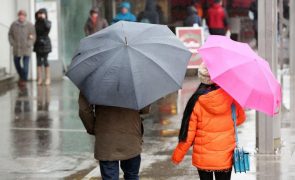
pixel 206 175
pixel 110 169
pixel 22 71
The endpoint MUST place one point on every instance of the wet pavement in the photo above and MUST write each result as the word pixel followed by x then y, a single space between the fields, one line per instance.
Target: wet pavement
pixel 43 138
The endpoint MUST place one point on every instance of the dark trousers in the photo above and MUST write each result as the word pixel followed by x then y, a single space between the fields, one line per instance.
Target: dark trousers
pixel 42 60
pixel 206 175
pixel 221 32
pixel 110 169
pixel 22 70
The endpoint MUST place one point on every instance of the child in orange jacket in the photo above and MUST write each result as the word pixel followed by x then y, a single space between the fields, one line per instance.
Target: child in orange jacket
pixel 207 125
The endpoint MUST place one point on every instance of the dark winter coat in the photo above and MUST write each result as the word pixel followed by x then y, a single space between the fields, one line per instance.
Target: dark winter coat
pixel 192 18
pixel 117 131
pixel 150 14
pixel 42 26
pixel 90 28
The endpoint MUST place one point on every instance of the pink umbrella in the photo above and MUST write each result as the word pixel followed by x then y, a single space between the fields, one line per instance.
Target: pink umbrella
pixel 237 69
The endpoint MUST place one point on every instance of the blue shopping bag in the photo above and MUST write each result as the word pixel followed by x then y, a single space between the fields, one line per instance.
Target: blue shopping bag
pixel 241 160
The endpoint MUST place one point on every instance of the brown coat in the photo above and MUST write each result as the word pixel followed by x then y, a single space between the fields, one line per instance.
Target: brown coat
pixel 117 131
pixel 90 28
pixel 22 37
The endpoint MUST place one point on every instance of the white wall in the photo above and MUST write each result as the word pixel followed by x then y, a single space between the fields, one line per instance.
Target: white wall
pixel 7 16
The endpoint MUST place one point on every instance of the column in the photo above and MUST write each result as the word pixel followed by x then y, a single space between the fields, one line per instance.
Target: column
pixel 292 58
pixel 267 128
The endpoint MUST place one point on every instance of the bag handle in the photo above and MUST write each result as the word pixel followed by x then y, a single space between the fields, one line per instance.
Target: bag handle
pixel 234 117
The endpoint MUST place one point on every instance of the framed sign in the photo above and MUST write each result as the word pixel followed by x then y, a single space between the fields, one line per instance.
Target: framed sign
pixel 193 39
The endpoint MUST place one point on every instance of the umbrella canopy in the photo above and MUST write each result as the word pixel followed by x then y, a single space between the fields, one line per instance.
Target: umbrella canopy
pixel 236 68
pixel 129 65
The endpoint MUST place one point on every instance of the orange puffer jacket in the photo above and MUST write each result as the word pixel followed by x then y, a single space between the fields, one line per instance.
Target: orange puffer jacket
pixel 211 132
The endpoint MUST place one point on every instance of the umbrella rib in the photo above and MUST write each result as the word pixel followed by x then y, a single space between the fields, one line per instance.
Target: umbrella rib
pixel 230 69
pixel 109 39
pixel 157 65
pixel 91 56
pixel 182 48
pixel 269 86
pixel 135 92
pixel 217 47
pixel 102 34
pixel 133 39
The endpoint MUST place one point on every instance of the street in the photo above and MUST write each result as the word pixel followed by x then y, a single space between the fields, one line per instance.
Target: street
pixel 42 137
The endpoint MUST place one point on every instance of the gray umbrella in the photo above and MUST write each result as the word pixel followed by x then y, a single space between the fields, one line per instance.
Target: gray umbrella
pixel 129 65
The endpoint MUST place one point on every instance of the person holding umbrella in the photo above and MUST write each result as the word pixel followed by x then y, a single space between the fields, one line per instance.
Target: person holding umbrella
pixel 130 67
pixel 118 137
pixel 207 125
pixel 244 80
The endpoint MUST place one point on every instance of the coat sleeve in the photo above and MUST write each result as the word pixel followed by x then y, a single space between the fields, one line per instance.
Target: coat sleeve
pixel 10 36
pixel 145 110
pixel 86 114
pixel 32 31
pixel 47 25
pixel 241 117
pixel 183 147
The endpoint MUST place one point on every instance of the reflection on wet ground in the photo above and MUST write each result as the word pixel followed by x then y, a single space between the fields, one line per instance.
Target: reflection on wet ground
pixel 42 137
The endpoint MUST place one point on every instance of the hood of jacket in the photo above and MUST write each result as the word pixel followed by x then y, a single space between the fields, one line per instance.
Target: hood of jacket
pixel 126 5
pixel 40 11
pixel 216 102
pixel 150 5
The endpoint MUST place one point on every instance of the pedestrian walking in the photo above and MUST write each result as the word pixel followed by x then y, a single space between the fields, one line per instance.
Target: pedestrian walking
pixel 121 80
pixel 207 125
pixel 125 14
pixel 150 14
pixel 192 17
pixel 42 45
pixel 21 37
pixel 94 22
pixel 118 138
pixel 217 19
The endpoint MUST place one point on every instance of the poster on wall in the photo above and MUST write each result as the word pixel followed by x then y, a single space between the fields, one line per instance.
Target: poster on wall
pixel 51 7
pixel 193 39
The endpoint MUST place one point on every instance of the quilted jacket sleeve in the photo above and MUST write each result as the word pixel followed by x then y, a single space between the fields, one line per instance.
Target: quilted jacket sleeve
pixel 241 117
pixel 183 147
